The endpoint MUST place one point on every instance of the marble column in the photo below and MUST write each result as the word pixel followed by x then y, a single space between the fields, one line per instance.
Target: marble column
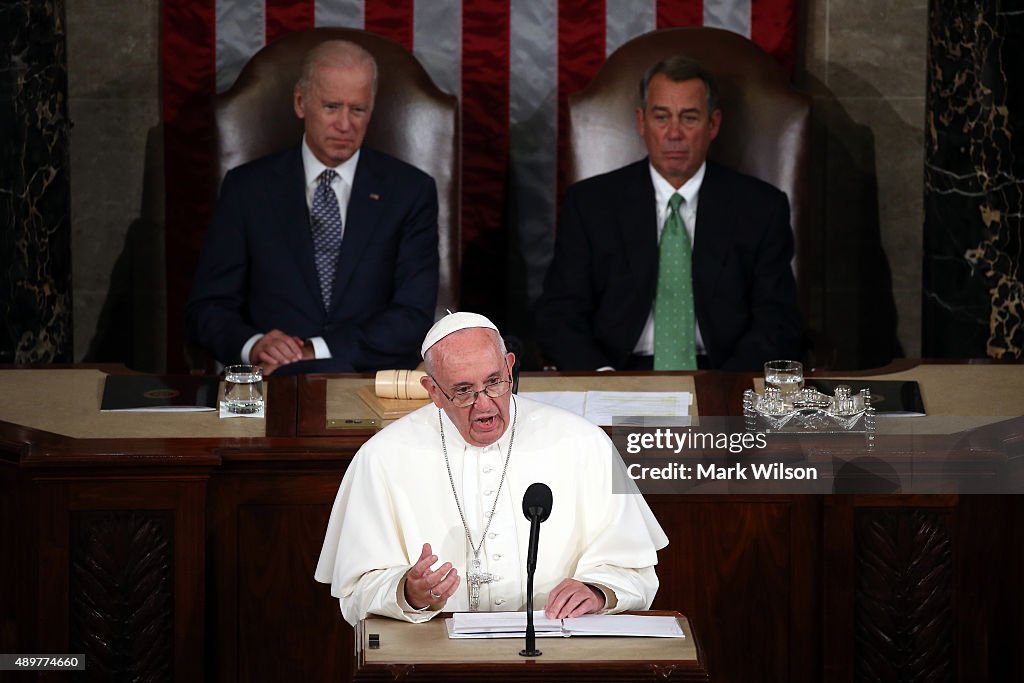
pixel 35 246
pixel 974 181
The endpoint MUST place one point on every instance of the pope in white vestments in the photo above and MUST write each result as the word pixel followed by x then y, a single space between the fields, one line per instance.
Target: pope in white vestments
pixel 443 487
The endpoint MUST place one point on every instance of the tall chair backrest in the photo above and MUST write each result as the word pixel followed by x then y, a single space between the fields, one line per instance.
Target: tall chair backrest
pixel 412 120
pixel 765 122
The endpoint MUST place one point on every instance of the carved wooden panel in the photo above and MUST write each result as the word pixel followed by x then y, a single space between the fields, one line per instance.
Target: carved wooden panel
pixel 121 587
pixel 904 620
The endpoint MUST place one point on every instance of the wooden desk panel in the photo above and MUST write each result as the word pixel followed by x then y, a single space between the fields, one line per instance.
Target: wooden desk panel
pixel 424 653
pixel 780 585
pixel 270 620
pixel 67 402
pixel 114 569
pixel 745 568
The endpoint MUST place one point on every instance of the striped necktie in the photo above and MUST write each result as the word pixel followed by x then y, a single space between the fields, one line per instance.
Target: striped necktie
pixel 674 319
pixel 325 217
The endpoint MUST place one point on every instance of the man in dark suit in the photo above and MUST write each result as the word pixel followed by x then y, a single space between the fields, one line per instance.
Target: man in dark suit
pixel 672 262
pixel 323 257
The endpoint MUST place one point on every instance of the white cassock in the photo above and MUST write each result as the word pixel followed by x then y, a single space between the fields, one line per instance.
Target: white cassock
pixel 396 496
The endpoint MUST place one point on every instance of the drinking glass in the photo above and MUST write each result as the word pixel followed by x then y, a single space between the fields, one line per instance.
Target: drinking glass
pixel 786 375
pixel 243 389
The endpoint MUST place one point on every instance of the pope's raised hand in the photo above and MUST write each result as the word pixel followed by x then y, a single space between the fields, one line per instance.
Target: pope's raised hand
pixel 425 586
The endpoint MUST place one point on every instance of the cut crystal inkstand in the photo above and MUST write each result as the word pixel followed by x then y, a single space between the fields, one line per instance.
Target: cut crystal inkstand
pixel 809 411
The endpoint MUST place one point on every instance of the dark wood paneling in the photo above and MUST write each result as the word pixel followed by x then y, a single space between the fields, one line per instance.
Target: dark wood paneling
pixel 82 531
pixel 1011 621
pixel 989 589
pixel 271 621
pixel 9 546
pixel 780 587
pixel 184 497
pixel 281 394
pixel 280 605
pixel 745 570
pixel 49 602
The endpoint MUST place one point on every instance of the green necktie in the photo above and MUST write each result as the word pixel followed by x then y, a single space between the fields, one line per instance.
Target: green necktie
pixel 674 319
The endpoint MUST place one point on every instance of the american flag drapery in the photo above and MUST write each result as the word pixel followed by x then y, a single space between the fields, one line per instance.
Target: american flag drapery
pixel 512 63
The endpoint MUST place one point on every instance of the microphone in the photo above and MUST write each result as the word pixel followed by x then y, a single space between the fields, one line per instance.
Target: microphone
pixel 536 504
pixel 537 508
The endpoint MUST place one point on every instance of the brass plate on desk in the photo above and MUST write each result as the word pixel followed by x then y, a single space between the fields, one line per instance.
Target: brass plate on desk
pixel 354 423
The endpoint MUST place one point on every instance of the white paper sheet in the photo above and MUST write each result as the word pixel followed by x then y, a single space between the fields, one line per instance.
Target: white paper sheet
pixel 513 625
pixel 623 625
pixel 600 407
pixel 573 401
pixel 501 625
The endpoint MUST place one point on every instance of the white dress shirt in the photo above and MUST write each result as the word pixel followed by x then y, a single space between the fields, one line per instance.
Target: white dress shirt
pixel 663 191
pixel 342 186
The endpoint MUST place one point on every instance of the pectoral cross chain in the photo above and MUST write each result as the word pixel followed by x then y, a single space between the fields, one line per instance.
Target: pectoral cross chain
pixel 476 579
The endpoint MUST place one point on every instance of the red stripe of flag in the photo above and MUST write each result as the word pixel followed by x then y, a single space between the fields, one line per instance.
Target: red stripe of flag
pixel 393 19
pixel 485 134
pixel 672 13
pixel 189 83
pixel 285 16
pixel 773 26
pixel 581 47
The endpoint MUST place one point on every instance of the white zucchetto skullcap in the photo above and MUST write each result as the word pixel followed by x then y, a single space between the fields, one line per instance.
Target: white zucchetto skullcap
pixel 453 322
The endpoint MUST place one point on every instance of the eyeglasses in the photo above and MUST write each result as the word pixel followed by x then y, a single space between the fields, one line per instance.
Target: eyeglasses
pixel 467 397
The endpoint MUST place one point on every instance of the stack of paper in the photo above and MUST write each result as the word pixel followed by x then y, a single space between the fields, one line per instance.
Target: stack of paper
pixel 513 625
pixel 600 407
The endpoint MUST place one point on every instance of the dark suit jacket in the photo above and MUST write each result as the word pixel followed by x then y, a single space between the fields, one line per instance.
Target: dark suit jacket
pixel 257 273
pixel 602 281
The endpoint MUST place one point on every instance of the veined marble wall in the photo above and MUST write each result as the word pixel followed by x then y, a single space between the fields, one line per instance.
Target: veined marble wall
pixel 974 181
pixel 35 250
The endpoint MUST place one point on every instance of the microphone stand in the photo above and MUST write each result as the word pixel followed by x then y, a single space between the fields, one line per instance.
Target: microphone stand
pixel 531 567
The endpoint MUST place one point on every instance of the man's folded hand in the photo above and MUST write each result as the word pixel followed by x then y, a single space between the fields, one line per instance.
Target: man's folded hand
pixel 275 348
